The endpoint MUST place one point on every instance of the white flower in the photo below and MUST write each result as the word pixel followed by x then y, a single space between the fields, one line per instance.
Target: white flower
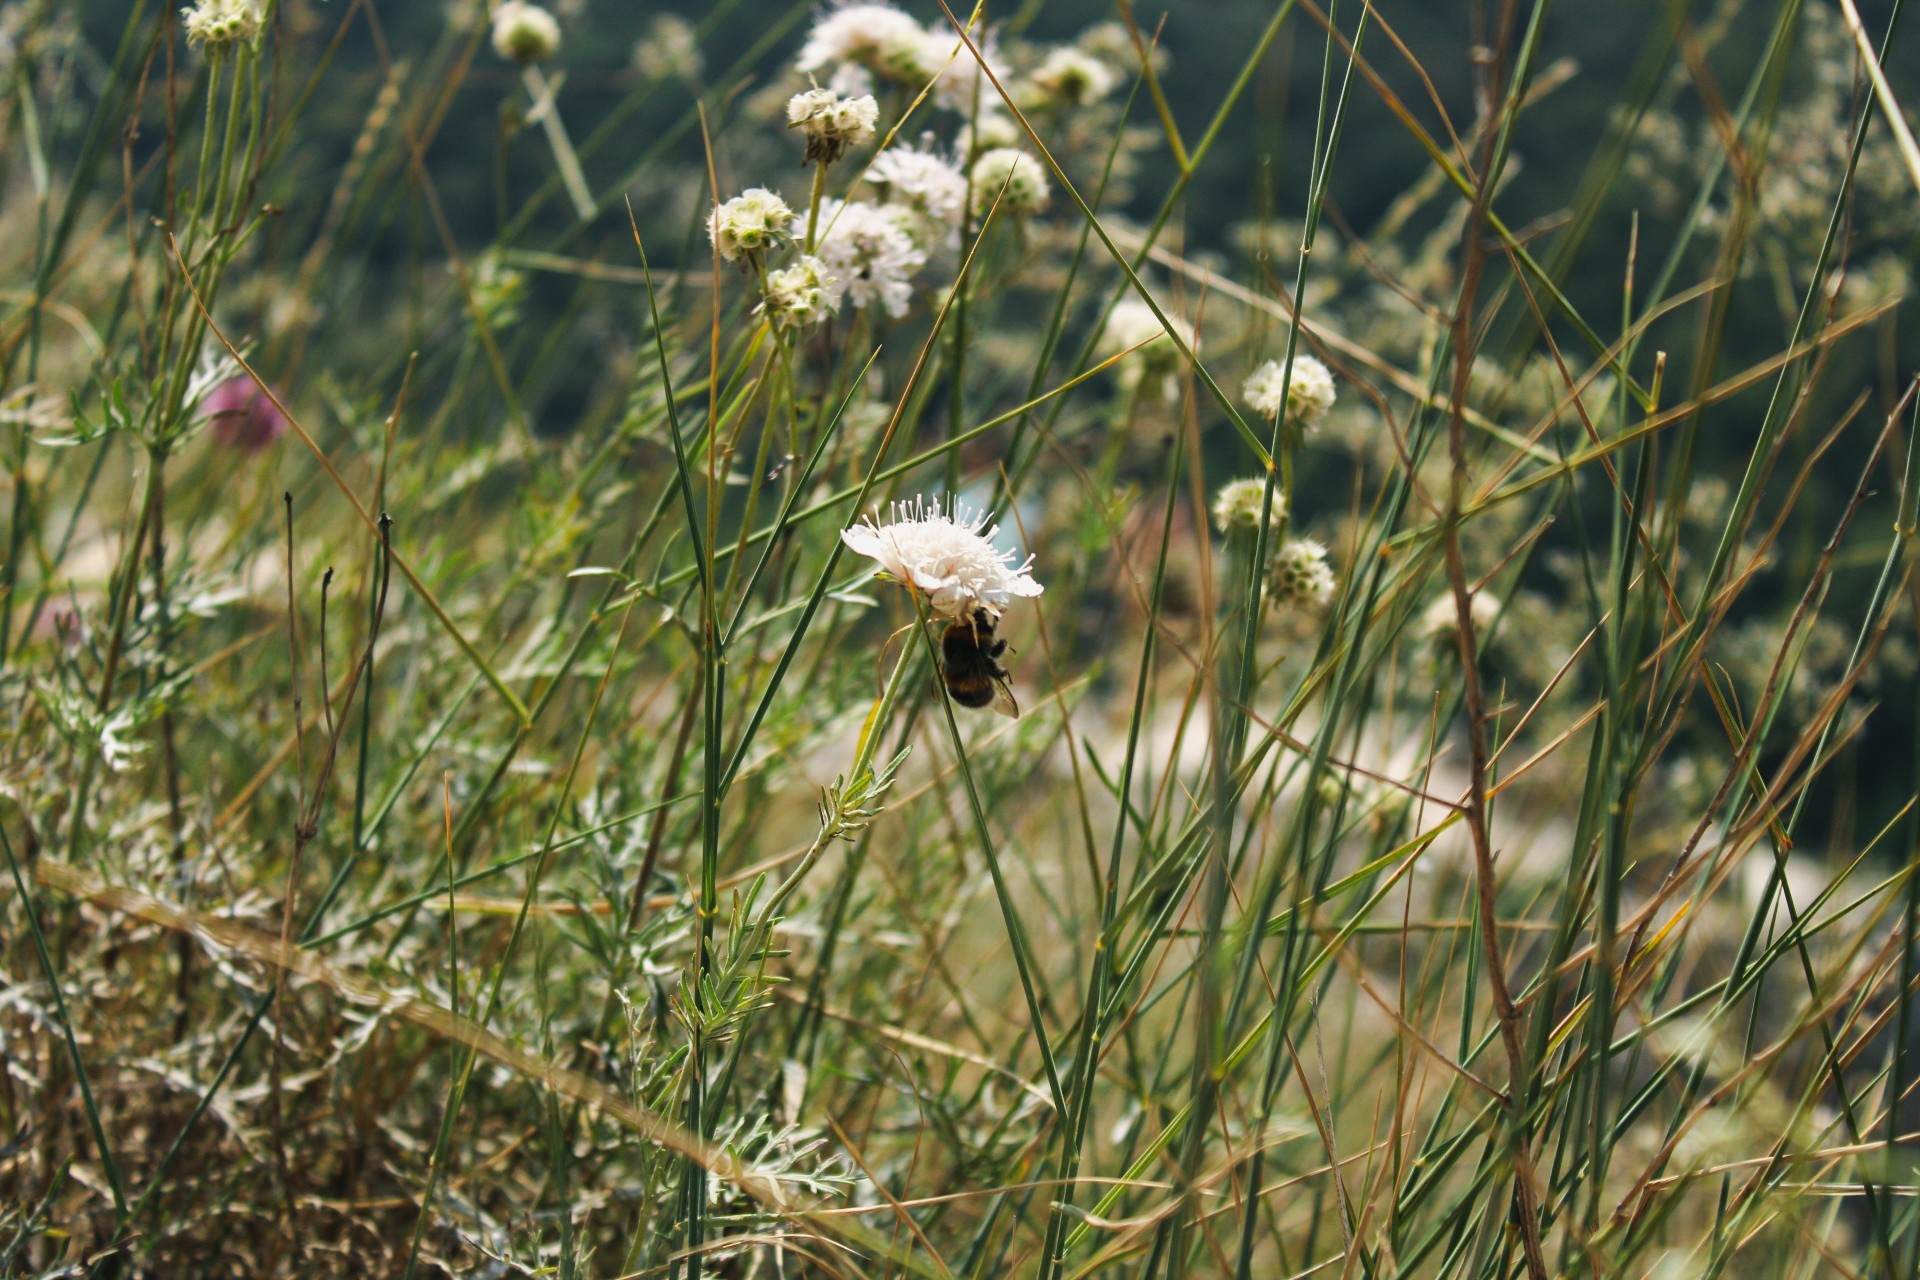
pixel 872 254
pixel 802 295
pixel 832 123
pixel 1023 177
pixel 750 223
pixel 1151 354
pixel 961 84
pixel 941 553
pixel 891 45
pixel 876 36
pixel 1071 78
pixel 462 16
pixel 1440 621
pixel 1131 324
pixel 991 129
pixel 1113 44
pixel 921 180
pixel 1239 502
pixel 524 32
pixel 850 80
pixel 221 22
pixel 1302 578
pixel 670 48
pixel 1306 397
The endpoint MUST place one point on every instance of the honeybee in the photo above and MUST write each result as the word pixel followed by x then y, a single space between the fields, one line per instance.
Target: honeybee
pixel 970 665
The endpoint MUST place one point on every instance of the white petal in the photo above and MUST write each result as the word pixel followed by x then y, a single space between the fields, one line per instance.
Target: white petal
pixel 864 540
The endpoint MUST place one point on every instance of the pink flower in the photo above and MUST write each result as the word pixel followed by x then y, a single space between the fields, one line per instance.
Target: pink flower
pixel 242 415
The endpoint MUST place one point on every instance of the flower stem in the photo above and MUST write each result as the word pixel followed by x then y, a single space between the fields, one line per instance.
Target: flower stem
pixel 572 176
pixel 813 204
pixel 863 753
pixel 876 721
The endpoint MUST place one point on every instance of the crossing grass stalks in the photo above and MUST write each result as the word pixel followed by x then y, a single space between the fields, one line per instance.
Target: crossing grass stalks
pixel 469 810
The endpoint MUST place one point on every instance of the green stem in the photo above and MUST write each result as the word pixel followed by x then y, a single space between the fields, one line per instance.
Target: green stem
pixel 1016 932
pixel 813 205
pixel 572 176
pixel 863 753
pixel 125 585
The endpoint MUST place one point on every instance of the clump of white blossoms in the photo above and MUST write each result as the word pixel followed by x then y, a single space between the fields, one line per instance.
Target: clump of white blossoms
pixel 1132 326
pixel 749 224
pixel 877 37
pixel 880 39
pixel 1236 508
pixel 1305 397
pixel 831 123
pixel 802 295
pixel 1069 77
pixel 989 131
pixel 922 181
pixel 870 251
pixel 524 33
pixel 1113 44
pixel 1023 177
pixel 1440 621
pixel 1151 354
pixel 947 554
pixel 223 22
pixel 1302 578
pixel 669 48
pixel 850 80
pixel 962 83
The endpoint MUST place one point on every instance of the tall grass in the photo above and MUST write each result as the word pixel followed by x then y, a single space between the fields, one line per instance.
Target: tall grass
pixel 467 811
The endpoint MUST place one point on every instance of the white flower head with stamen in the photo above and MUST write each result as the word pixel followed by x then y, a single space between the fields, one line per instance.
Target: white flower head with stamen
pixel 1133 328
pixel 962 82
pixel 871 252
pixel 947 554
pixel 990 130
pixel 1023 179
pixel 1305 397
pixel 850 80
pixel 670 48
pixel 832 123
pixel 1237 507
pixel 1071 78
pixel 1302 578
pixel 876 36
pixel 524 32
pixel 223 22
pixel 920 179
pixel 1148 354
pixel 802 295
pixel 749 224
pixel 1440 620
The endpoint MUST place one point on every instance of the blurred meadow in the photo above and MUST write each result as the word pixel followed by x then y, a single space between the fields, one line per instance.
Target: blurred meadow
pixel 525 528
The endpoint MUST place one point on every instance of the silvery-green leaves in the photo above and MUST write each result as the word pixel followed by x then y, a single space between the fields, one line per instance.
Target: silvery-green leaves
pixel 849 806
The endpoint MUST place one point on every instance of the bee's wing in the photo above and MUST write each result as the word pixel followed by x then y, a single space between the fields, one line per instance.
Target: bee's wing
pixel 1003 702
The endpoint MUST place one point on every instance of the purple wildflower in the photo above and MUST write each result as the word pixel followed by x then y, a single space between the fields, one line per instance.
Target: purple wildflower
pixel 243 415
